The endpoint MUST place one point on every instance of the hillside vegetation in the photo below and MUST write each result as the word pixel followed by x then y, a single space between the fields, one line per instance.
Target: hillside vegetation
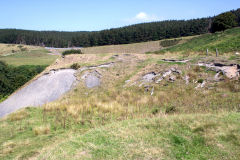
pixel 147 106
pixel 227 41
pixel 123 119
pixel 129 34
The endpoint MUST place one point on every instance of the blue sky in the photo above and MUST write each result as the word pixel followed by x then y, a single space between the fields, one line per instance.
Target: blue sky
pixel 92 15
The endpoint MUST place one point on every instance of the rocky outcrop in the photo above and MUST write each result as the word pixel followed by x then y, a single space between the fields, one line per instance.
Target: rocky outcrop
pixel 230 71
pixel 91 79
pixel 168 75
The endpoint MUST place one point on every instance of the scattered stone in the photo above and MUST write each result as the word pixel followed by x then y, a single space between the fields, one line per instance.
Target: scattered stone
pixel 159 80
pixel 173 60
pixel 201 85
pixel 176 71
pixel 230 71
pixel 115 56
pixel 147 88
pixel 217 78
pixel 105 65
pixel 149 77
pixel 167 73
pixel 127 81
pixel 152 91
pixel 186 78
pixel 172 78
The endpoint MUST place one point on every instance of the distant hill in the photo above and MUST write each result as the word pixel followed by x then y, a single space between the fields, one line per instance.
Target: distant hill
pixel 124 35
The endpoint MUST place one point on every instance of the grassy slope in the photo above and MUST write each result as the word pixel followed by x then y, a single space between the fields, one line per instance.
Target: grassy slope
pixel 7 49
pixel 185 136
pixel 114 122
pixel 32 57
pixel 143 47
pixel 227 41
pixel 173 137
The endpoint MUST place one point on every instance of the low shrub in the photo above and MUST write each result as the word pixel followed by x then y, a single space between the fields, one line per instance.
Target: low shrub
pixel 75 66
pixel 200 81
pixel 72 51
pixel 170 109
pixel 155 111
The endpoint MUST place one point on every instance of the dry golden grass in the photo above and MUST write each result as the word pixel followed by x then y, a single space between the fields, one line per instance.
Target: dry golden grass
pixel 124 48
pixel 115 98
pixel 138 48
pixel 19 115
pixel 81 59
pixel 44 129
pixel 7 49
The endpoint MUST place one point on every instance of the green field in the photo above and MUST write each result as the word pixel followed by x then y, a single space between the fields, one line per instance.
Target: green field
pixel 32 57
pixel 227 41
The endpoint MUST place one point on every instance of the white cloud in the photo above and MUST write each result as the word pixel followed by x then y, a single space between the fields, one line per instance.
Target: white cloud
pixel 143 17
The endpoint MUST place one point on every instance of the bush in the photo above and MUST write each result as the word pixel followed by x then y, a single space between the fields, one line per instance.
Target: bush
pixel 200 81
pixel 75 66
pixel 155 111
pixel 72 51
pixel 170 109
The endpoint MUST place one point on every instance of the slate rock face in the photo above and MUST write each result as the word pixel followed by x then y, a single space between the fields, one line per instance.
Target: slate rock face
pixel 47 88
pixel 92 79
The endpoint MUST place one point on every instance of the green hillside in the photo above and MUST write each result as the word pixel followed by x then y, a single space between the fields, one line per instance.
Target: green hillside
pixel 191 113
pixel 227 41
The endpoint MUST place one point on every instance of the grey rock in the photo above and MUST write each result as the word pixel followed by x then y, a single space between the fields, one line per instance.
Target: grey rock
pixel 172 78
pixel 149 77
pixel 92 79
pixel 47 88
pixel 186 78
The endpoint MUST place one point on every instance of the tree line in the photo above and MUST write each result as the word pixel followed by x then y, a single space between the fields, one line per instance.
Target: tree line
pixel 124 35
